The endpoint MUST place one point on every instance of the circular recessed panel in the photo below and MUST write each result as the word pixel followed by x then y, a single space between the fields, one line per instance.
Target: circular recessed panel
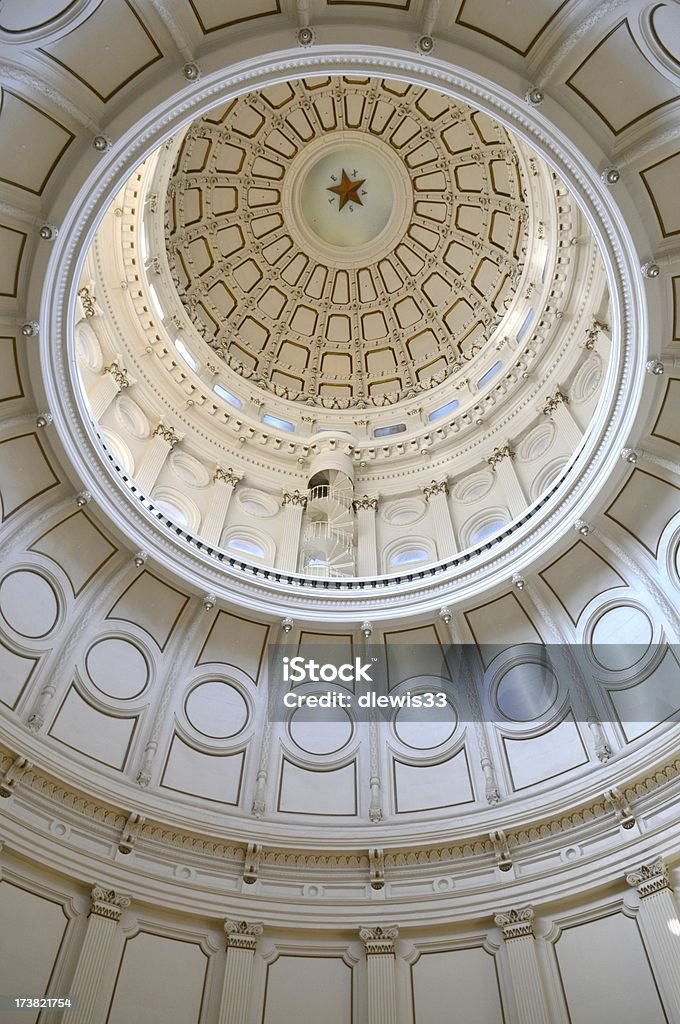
pixel 423 728
pixel 621 637
pixel 131 417
pixel 526 692
pixel 117 668
pixel 217 710
pixel 320 731
pixel 28 604
pixel 346 196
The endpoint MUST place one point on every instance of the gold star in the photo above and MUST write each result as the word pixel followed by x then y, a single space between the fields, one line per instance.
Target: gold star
pixel 347 190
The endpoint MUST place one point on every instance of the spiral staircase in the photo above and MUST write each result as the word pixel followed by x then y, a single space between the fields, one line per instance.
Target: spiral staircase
pixel 327 548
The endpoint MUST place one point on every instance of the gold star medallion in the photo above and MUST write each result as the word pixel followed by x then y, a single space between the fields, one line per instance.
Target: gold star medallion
pixel 347 190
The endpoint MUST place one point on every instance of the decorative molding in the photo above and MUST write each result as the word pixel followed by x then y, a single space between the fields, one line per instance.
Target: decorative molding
pixel 13 776
pixel 130 833
pixel 501 849
pixel 376 862
pixel 251 864
pixel 517 923
pixel 622 809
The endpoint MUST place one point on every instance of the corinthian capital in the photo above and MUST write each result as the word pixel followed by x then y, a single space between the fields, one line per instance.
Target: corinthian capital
pixel 499 454
pixel 365 504
pixel 108 903
pixel 226 475
pixel 516 923
pixel 650 878
pixel 242 934
pixel 168 434
pixel 294 498
pixel 119 375
pixel 379 941
pixel 436 487
pixel 553 401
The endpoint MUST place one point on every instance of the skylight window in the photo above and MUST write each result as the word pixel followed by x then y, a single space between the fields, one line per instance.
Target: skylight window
pixel 444 410
pixel 489 375
pixel 408 555
pixel 395 428
pixel 227 396
pixel 274 421
pixel 487 530
pixel 247 547
pixel 156 302
pixel 526 323
pixel 186 354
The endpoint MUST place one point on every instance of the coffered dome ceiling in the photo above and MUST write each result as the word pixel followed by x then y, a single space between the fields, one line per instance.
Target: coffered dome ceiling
pixel 346 240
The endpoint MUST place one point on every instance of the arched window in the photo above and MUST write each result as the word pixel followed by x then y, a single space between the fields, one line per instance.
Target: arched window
pixel 409 555
pixel 247 547
pixel 487 529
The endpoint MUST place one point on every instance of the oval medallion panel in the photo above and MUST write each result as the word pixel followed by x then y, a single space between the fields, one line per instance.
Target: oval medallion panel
pixel 423 728
pixel 117 668
pixel 216 710
pixel 28 603
pixel 621 637
pixel 319 731
pixel 526 692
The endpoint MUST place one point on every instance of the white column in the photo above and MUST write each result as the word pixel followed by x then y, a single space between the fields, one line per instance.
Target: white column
pixel 162 443
pixel 436 495
pixel 112 381
pixel 293 506
pixel 557 408
pixel 89 989
pixel 367 545
pixel 527 984
pixel 501 463
pixel 224 483
pixel 241 941
pixel 661 930
pixel 382 1002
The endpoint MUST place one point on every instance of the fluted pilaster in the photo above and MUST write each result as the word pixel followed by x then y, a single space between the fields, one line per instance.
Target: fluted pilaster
pixel 557 408
pixel 112 382
pixel 367 546
pixel 379 946
pixel 224 484
pixel 661 930
pixel 242 939
pixel 88 988
pixel 527 984
pixel 436 495
pixel 502 463
pixel 293 505
pixel 162 443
